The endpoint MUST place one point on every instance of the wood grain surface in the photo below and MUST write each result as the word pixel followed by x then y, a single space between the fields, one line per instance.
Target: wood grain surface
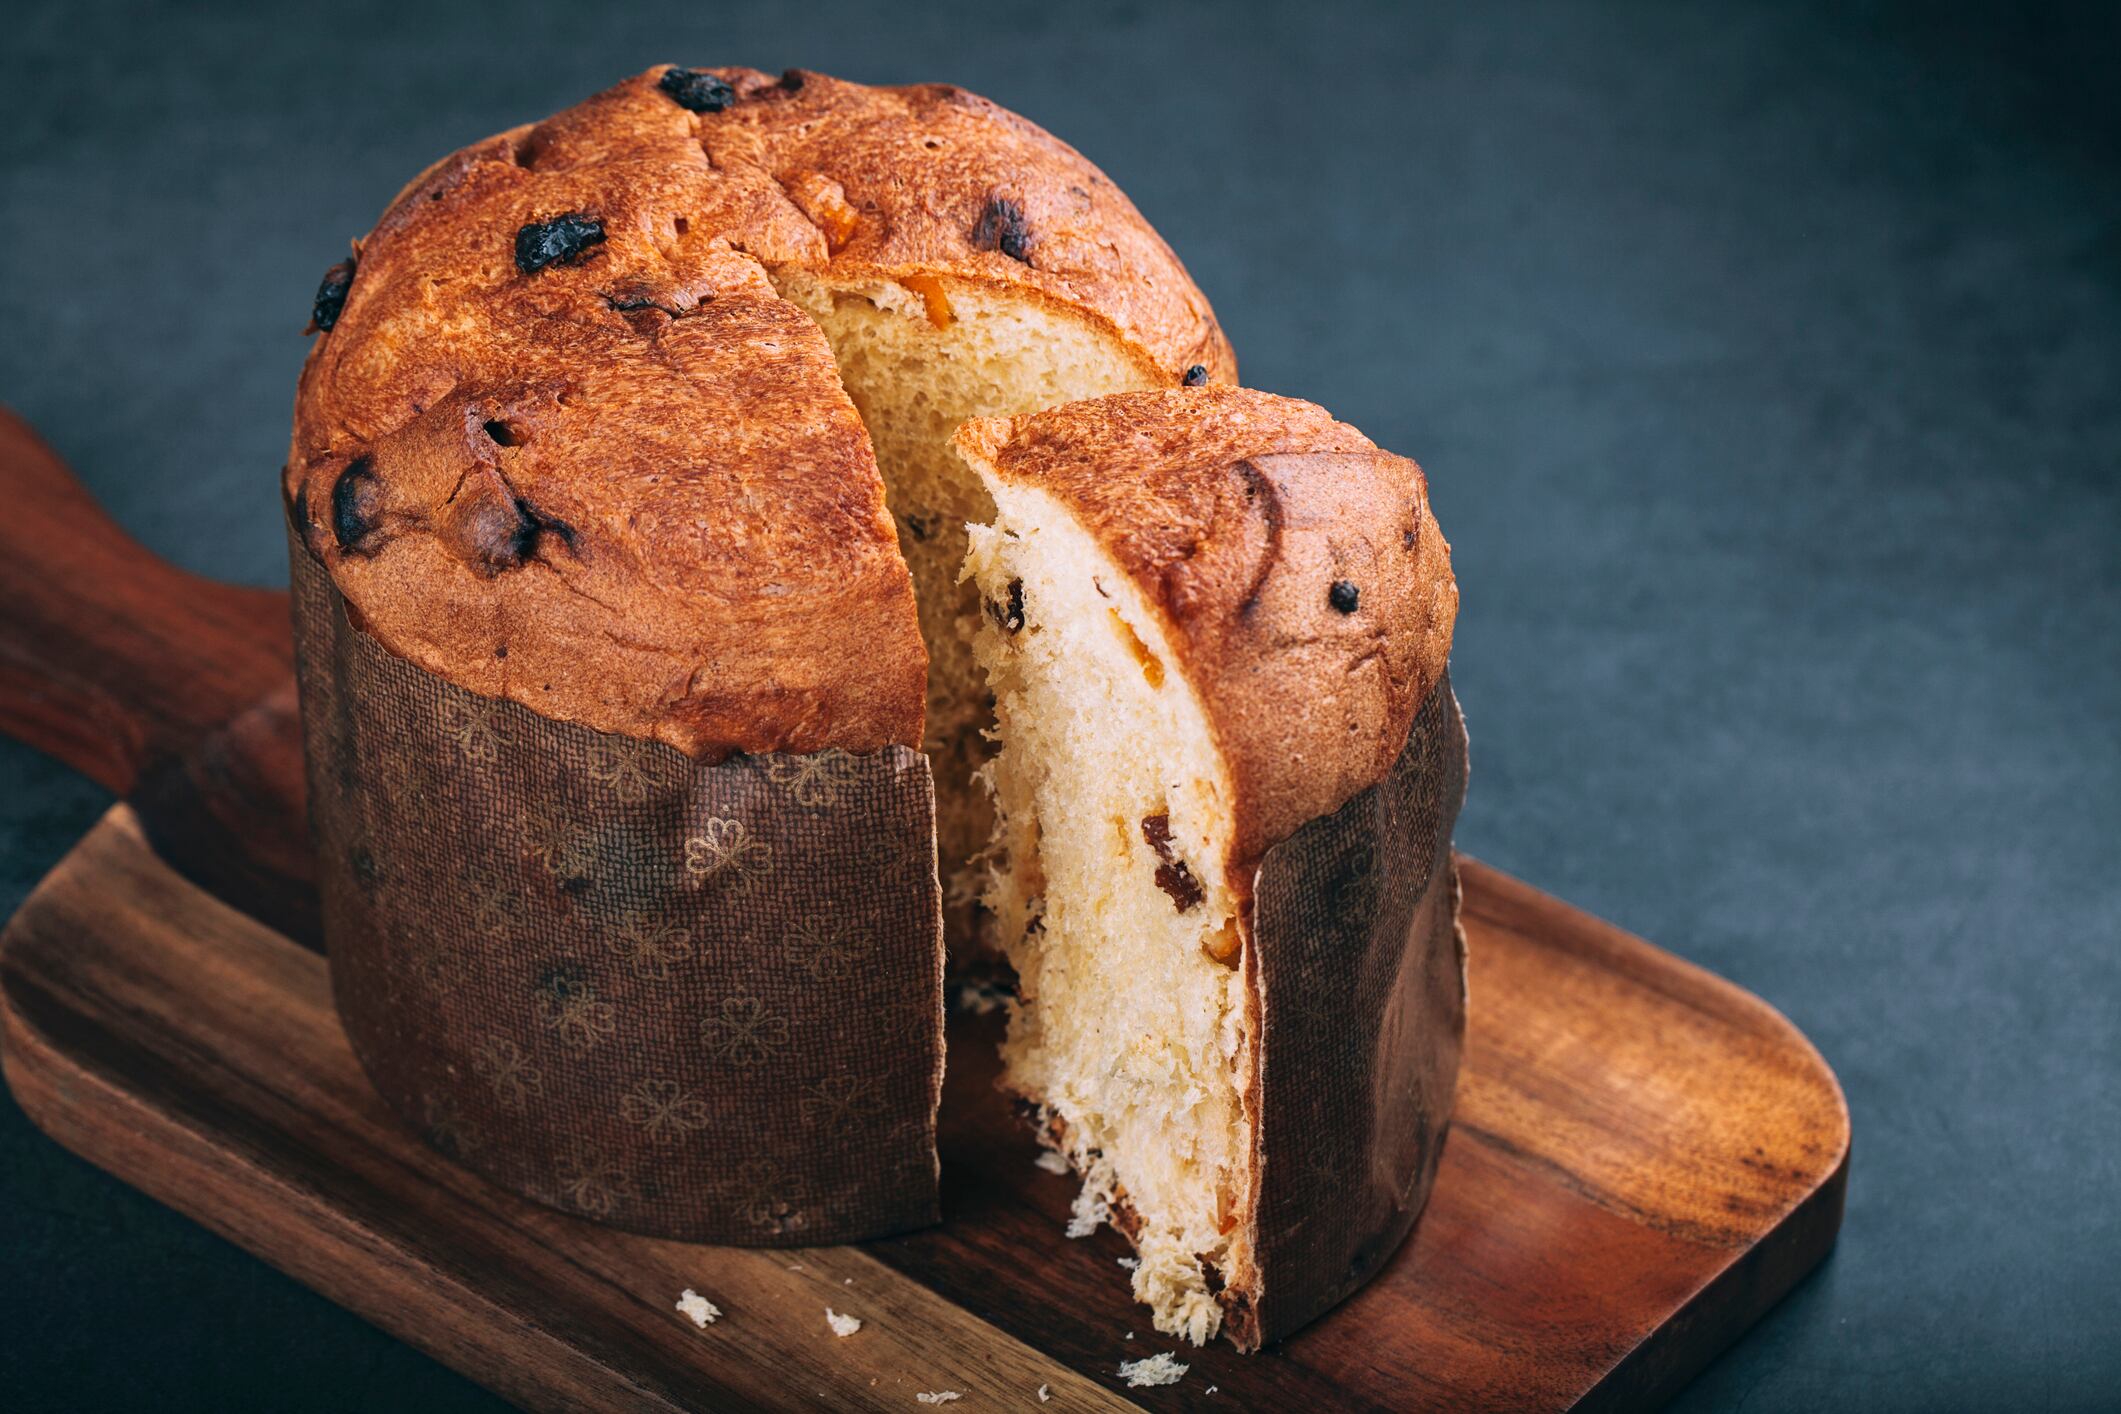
pixel 1645 1157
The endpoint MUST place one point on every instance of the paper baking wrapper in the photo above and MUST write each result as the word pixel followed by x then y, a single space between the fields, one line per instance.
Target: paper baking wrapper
pixel 1361 975
pixel 702 1002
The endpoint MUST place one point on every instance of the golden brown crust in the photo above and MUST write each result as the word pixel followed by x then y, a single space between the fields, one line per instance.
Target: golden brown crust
pixel 1297 569
pixel 627 488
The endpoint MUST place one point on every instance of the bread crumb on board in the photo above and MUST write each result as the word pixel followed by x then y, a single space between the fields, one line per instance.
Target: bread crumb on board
pixel 941 1396
pixel 1158 1369
pixel 1044 1394
pixel 1051 1162
pixel 842 1326
pixel 702 1311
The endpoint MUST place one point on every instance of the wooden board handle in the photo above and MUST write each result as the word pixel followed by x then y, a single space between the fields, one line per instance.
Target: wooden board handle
pixel 111 659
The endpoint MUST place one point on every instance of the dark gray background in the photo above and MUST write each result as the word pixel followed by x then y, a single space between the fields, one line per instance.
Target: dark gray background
pixel 1766 363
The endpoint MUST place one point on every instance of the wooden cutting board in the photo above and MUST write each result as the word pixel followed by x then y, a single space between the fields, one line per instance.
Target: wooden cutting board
pixel 1645 1157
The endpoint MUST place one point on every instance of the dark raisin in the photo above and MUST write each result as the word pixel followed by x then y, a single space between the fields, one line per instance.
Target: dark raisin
pixel 1178 881
pixel 1156 829
pixel 331 295
pixel 1406 540
pixel 697 90
pixel 1001 227
pixel 1197 375
pixel 1344 596
pixel 1172 875
pixel 1011 618
pixel 792 80
pixel 356 505
pixel 558 241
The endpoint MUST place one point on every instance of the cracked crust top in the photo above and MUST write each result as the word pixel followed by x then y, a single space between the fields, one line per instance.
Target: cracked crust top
pixel 1297 570
pixel 560 440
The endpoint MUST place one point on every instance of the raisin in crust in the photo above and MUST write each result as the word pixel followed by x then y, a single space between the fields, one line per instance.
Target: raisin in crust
pixel 620 481
pixel 1295 568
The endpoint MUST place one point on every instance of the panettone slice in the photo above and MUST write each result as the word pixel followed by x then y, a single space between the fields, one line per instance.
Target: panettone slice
pixel 1215 626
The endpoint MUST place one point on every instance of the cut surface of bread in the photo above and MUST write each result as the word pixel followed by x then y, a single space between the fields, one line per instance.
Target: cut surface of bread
pixel 1207 618
pixel 918 363
pixel 1110 895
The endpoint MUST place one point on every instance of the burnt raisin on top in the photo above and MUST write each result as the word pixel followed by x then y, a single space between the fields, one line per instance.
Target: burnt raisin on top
pixel 331 295
pixel 697 90
pixel 559 240
pixel 792 80
pixel 1197 376
pixel 1001 227
pixel 1344 596
pixel 356 508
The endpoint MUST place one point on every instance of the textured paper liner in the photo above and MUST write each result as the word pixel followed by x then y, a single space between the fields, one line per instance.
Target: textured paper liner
pixel 700 1002
pixel 1361 985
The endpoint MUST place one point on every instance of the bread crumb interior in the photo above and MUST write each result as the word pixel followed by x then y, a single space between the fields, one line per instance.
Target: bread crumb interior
pixel 1108 888
pixel 918 362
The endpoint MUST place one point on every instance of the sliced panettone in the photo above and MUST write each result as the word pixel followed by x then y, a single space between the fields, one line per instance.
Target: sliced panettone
pixel 585 429
pixel 1210 619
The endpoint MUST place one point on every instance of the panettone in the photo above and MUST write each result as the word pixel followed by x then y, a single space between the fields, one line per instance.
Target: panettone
pixel 735 450
pixel 1212 618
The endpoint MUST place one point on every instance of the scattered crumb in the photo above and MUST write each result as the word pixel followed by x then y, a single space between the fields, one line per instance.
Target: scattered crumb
pixel 941 1396
pixel 846 1281
pixel 1158 1369
pixel 842 1326
pixel 1044 1394
pixel 795 1266
pixel 1213 1388
pixel 699 1308
pixel 1130 1335
pixel 1087 1212
pixel 1132 1264
pixel 1051 1161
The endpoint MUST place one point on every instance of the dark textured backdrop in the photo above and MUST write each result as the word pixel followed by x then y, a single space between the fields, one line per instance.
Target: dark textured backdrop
pixel 1766 363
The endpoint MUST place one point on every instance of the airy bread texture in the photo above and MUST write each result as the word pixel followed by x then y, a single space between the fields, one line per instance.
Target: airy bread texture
pixel 1210 617
pixel 1108 783
pixel 918 364
pixel 564 439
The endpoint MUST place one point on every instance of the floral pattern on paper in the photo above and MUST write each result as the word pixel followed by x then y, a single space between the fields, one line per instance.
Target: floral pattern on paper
pixel 591 1182
pixel 630 769
pixel 815 779
pixel 727 852
pixel 662 1109
pixel 838 1100
pixel 475 725
pixel 502 1064
pixel 565 848
pixel 650 947
pixel 743 1033
pixel 573 1010
pixel 825 948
